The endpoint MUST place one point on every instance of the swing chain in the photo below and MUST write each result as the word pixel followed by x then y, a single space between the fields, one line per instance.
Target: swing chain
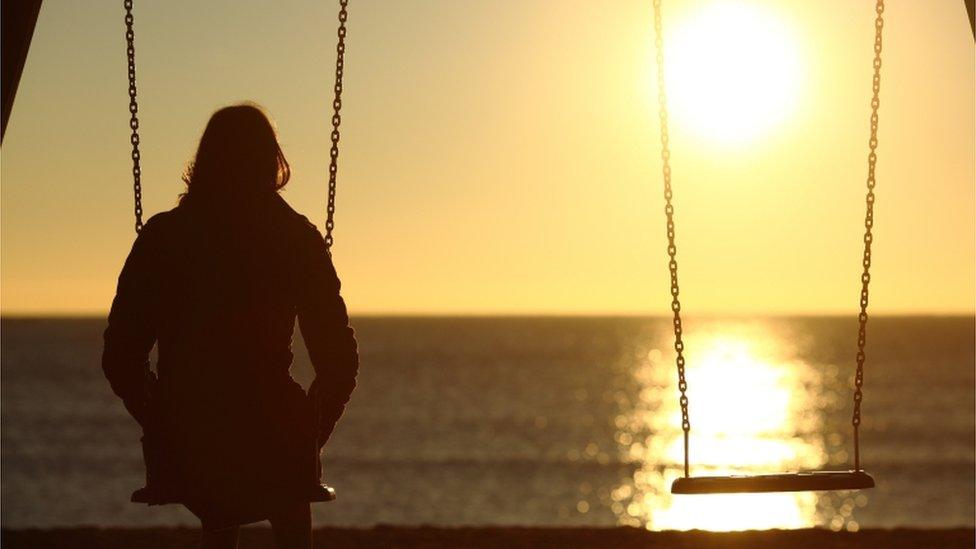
pixel 679 345
pixel 868 236
pixel 333 170
pixel 130 51
pixel 336 119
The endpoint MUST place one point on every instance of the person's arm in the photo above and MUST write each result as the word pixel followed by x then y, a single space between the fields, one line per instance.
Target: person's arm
pixel 331 343
pixel 131 333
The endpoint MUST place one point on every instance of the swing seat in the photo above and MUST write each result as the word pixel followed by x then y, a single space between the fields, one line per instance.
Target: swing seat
pixel 802 481
pixel 319 492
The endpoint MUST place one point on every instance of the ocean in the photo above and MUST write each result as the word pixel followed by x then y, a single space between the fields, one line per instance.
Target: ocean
pixel 547 421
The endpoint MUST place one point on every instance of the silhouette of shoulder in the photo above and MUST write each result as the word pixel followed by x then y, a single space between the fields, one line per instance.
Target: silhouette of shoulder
pixel 303 228
pixel 161 221
pixel 298 219
pixel 156 229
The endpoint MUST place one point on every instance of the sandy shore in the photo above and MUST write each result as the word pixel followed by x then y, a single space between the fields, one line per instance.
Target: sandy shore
pixel 507 538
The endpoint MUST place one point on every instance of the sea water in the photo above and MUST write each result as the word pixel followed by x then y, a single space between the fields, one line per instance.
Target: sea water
pixel 556 421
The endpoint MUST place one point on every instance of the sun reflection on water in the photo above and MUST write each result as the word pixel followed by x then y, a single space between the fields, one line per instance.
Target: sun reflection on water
pixel 753 409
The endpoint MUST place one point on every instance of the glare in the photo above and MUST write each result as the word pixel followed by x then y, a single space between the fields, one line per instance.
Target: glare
pixel 745 395
pixel 731 512
pixel 733 71
pixel 753 410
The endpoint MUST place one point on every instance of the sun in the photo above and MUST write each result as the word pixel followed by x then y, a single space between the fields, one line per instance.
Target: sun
pixel 733 72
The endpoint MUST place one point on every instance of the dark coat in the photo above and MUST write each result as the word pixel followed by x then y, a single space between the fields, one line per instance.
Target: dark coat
pixel 227 431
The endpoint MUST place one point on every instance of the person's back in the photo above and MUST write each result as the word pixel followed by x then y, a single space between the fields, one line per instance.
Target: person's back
pixel 228 289
pixel 218 283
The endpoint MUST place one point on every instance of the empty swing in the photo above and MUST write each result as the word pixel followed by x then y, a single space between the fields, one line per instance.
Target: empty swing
pixel 150 493
pixel 780 482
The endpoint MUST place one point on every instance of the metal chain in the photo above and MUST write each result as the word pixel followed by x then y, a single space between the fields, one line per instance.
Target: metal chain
pixel 868 237
pixel 679 345
pixel 333 170
pixel 130 50
pixel 336 120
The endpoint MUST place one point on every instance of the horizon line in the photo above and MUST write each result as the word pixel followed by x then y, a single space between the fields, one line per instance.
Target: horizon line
pixel 548 314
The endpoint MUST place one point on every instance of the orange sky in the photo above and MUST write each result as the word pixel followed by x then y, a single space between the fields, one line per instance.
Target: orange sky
pixel 500 160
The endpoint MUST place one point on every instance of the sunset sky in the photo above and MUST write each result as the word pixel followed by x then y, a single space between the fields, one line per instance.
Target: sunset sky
pixel 503 157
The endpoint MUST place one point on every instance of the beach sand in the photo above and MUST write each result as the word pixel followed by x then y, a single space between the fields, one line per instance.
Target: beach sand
pixel 508 538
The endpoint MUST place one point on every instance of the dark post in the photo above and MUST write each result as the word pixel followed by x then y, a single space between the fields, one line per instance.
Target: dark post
pixel 971 10
pixel 17 20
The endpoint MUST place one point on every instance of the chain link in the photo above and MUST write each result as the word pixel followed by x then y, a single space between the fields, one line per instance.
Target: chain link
pixel 679 346
pixel 333 171
pixel 868 236
pixel 130 51
pixel 336 120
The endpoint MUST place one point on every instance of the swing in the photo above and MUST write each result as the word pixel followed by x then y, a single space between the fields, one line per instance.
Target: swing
pixel 781 482
pixel 317 492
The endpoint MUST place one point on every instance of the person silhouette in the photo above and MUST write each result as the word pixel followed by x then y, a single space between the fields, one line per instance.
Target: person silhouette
pixel 217 283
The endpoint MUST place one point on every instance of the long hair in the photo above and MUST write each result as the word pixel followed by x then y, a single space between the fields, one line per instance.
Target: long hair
pixel 239 158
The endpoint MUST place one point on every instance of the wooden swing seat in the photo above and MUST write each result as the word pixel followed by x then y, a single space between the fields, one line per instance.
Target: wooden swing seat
pixel 780 482
pixel 319 492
